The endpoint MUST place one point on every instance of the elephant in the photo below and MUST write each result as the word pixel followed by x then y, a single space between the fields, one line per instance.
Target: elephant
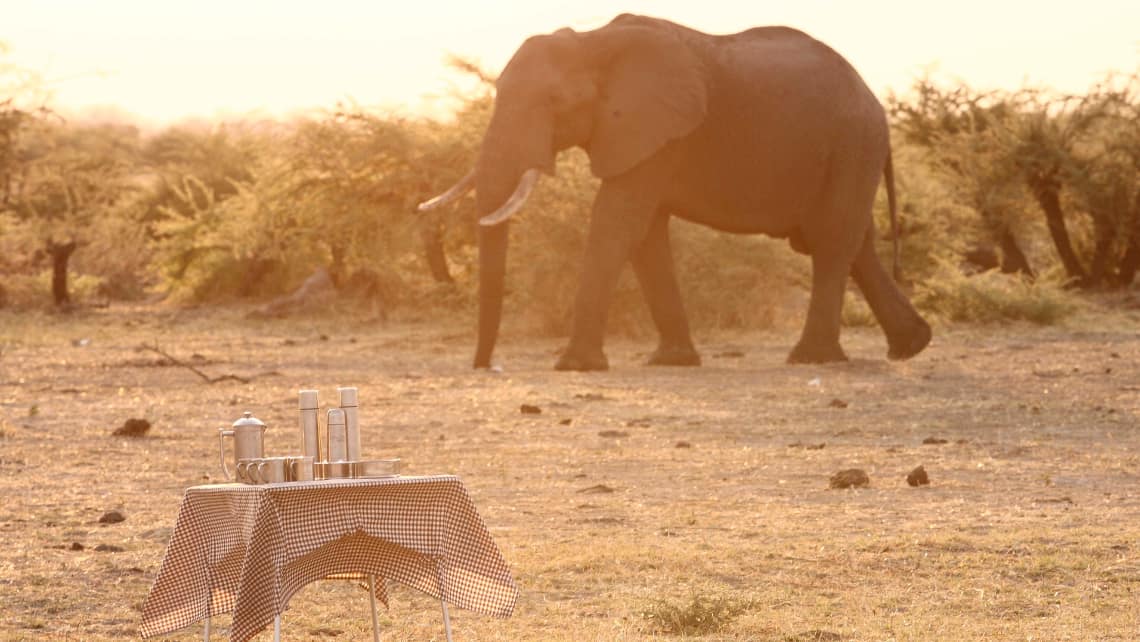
pixel 766 131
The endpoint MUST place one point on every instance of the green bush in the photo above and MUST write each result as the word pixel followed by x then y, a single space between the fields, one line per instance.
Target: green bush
pixel 991 296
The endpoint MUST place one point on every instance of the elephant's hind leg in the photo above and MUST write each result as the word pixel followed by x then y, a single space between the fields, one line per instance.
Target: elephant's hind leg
pixel 653 265
pixel 907 332
pixel 819 342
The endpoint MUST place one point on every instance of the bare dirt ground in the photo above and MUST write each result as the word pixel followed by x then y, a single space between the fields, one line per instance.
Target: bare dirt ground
pixel 642 503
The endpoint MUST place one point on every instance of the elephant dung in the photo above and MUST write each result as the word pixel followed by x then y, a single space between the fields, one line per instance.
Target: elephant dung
pixel 132 428
pixel 918 477
pixel 851 478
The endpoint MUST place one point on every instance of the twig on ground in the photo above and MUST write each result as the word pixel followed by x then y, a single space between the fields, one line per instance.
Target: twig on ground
pixel 205 377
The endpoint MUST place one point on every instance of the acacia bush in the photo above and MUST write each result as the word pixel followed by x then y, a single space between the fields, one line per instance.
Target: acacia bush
pixel 202 208
pixel 1025 182
pixel 993 296
pixel 70 202
pixel 1049 179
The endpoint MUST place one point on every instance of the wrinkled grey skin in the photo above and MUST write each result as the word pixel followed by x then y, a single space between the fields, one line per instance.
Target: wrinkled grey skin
pixel 765 131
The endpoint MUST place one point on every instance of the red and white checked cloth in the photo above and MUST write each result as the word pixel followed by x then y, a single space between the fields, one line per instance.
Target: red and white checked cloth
pixel 249 549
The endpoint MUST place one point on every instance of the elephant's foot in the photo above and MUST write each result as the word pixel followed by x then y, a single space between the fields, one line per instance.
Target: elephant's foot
pixel 807 352
pixel 910 344
pixel 674 356
pixel 582 360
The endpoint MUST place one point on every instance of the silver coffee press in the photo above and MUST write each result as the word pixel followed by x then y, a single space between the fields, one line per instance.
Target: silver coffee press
pixel 248 434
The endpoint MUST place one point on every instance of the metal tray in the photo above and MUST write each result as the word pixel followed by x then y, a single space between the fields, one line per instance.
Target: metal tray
pixel 359 469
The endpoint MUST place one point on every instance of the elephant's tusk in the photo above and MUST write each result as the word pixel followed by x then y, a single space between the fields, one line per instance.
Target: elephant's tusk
pixel 459 189
pixel 526 184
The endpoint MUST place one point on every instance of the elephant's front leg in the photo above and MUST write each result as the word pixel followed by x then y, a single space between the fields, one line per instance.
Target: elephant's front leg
pixel 653 264
pixel 619 222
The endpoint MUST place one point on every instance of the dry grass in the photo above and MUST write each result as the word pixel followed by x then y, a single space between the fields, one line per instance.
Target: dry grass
pixel 1030 528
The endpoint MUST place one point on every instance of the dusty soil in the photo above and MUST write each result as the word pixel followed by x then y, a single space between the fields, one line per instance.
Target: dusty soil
pixel 638 503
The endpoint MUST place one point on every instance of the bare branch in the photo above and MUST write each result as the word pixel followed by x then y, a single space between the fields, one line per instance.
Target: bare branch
pixel 468 66
pixel 205 377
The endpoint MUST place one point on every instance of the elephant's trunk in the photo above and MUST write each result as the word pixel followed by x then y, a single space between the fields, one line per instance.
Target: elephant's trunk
pixel 513 145
pixel 494 185
pixel 492 272
pixel 515 202
pixel 493 240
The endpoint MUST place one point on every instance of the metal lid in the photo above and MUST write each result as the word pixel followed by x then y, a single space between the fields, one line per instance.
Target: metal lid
pixel 247 419
pixel 307 400
pixel 347 397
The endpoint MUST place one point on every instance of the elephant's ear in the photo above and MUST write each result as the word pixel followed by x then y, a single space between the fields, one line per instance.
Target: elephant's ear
pixel 652 91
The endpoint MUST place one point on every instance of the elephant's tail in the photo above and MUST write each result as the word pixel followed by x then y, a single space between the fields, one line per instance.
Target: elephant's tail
pixel 892 205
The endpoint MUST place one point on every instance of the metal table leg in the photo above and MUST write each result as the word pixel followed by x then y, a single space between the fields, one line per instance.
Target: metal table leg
pixel 206 633
pixel 277 628
pixel 372 600
pixel 446 620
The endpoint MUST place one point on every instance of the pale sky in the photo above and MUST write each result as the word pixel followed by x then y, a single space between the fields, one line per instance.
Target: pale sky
pixel 165 60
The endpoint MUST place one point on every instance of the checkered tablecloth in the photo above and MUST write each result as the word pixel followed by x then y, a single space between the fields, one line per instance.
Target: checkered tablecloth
pixel 248 549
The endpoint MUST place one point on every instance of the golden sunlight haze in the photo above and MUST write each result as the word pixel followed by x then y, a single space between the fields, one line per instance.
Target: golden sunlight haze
pixel 165 61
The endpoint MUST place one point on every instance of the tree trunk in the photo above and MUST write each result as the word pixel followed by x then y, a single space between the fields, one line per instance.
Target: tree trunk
pixel 1130 263
pixel 1101 252
pixel 1012 258
pixel 60 255
pixel 1131 260
pixel 337 269
pixel 1047 191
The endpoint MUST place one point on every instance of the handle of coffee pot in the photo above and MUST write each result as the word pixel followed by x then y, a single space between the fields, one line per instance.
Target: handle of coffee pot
pixel 222 434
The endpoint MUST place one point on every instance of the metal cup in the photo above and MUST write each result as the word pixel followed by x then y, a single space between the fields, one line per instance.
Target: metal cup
pixel 272 470
pixel 246 469
pixel 300 468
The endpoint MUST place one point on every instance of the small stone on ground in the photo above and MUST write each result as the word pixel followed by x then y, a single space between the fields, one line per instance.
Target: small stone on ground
pixel 112 517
